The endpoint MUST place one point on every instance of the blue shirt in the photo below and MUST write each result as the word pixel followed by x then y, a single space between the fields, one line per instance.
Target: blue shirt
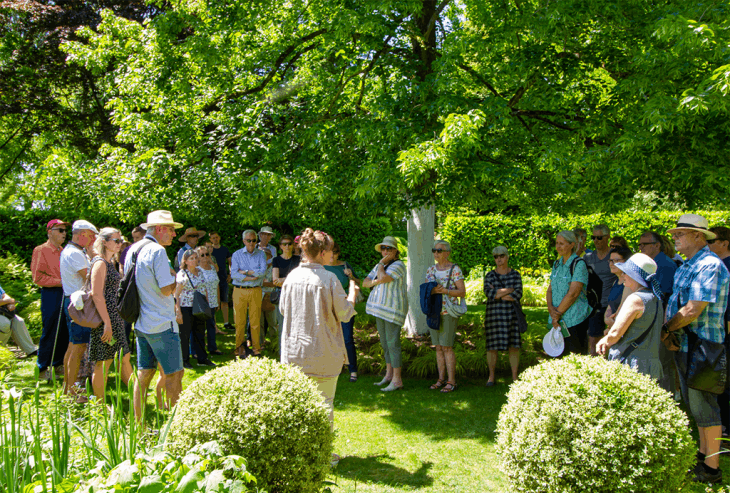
pixel 560 280
pixel 157 312
pixel 178 257
pixel 254 261
pixel 725 261
pixel 665 269
pixel 701 278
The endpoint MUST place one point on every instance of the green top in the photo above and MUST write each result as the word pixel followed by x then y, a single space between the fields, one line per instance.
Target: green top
pixel 339 271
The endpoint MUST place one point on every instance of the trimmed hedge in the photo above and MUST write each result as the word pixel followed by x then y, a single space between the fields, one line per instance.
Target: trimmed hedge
pixel 531 239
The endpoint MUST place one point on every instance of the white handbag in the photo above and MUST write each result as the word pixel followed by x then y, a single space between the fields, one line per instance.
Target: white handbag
pixel 452 309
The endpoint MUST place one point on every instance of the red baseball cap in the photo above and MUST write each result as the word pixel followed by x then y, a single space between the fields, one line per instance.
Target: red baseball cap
pixel 56 222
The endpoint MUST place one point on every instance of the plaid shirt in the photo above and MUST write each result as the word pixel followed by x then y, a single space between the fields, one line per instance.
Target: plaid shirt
pixel 701 278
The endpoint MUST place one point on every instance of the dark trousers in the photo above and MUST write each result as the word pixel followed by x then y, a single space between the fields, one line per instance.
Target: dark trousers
pixel 54 338
pixel 210 328
pixel 192 327
pixel 577 343
pixel 347 332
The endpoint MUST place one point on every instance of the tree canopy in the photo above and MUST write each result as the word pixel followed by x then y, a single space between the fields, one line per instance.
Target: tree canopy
pixel 346 109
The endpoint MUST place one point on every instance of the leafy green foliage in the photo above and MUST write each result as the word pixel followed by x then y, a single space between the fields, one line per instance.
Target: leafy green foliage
pixel 584 424
pixel 17 281
pixel 270 414
pixel 531 239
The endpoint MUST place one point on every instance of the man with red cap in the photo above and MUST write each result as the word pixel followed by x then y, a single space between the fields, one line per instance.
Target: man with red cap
pixel 46 269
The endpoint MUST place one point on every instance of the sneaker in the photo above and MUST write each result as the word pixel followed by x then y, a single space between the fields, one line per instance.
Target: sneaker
pixel 702 476
pixel 228 326
pixel 45 375
pixel 187 365
pixel 59 371
pixel 207 363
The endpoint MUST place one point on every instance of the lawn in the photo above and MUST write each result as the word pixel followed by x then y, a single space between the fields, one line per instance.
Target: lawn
pixel 415 439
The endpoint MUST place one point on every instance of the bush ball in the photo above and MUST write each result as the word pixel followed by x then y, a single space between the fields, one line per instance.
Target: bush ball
pixel 585 424
pixel 269 413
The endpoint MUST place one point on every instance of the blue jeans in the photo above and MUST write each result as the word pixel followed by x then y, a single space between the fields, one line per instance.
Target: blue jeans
pixel 54 338
pixel 347 330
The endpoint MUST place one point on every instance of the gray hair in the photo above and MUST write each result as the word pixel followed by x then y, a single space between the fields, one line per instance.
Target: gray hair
pixel 602 228
pixel 444 243
pixel 249 232
pixel 186 256
pixel 580 232
pixel 500 250
pixel 104 235
pixel 569 236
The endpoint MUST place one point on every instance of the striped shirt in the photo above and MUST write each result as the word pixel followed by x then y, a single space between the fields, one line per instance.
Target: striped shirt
pixel 388 301
pixel 701 278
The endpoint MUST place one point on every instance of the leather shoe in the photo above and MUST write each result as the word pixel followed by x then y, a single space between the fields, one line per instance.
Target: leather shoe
pixel 702 476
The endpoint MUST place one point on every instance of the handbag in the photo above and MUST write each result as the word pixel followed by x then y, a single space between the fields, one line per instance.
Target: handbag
pixel 275 295
pixel 266 304
pixel 706 365
pixel 520 317
pixel 670 339
pixel 201 308
pixel 87 315
pixel 453 309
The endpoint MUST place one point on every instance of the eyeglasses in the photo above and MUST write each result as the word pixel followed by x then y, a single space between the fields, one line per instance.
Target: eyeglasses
pixel 285 244
pixel 204 255
pixel 500 256
pixel 642 245
pixel 598 237
pixel 678 235
pixel 118 241
pixel 612 261
pixel 250 241
pixel 439 250
pixel 710 242
pixel 60 230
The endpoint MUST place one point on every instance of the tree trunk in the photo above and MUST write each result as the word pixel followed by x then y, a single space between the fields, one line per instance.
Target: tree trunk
pixel 420 240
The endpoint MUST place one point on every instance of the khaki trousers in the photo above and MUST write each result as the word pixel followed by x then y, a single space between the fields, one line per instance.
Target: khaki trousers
pixel 247 301
pixel 327 387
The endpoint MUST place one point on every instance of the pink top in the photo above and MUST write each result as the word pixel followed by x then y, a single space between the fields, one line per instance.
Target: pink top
pixel 314 305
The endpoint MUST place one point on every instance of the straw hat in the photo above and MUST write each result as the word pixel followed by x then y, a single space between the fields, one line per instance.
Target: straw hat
pixel 267 230
pixel 695 223
pixel 160 218
pixel 387 241
pixel 191 232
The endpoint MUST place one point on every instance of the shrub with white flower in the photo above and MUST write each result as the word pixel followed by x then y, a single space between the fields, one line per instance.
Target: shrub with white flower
pixel 269 413
pixel 585 424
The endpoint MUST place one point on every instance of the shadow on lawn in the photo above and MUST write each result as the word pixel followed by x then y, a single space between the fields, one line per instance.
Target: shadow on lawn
pixel 469 412
pixel 377 469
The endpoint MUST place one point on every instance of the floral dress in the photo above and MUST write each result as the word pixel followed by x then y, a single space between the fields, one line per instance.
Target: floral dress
pixel 101 351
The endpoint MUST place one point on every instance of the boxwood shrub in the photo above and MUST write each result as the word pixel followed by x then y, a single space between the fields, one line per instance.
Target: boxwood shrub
pixel 269 413
pixel 584 424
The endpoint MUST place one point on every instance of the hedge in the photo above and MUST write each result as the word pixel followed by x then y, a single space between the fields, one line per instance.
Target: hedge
pixel 21 231
pixel 531 239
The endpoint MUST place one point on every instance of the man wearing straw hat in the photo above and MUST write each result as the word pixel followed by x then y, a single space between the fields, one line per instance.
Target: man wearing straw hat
pixel 158 334
pixel 190 238
pixel 698 303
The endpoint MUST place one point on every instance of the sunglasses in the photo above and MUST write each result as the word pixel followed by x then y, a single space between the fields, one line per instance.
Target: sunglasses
pixel 60 230
pixel 249 241
pixel 438 250
pixel 204 255
pixel 598 237
pixel 500 255
pixel 710 242
pixel 118 241
pixel 285 244
pixel 386 248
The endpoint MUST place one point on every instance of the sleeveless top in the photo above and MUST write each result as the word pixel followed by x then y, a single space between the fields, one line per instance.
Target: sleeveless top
pixel 645 358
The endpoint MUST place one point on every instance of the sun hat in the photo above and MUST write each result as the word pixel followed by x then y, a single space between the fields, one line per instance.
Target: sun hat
pixel 191 232
pixel 56 222
pixel 642 269
pixel 387 241
pixel 160 218
pixel 695 223
pixel 267 230
pixel 553 343
pixel 83 225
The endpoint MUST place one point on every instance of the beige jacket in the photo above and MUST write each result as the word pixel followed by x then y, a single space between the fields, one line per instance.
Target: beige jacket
pixel 314 305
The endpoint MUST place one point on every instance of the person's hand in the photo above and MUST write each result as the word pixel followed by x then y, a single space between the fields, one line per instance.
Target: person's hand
pixel 554 314
pixel 508 298
pixel 602 346
pixel 348 272
pixel 609 318
pixel 439 290
pixel 106 336
pixel 556 324
pixel 178 315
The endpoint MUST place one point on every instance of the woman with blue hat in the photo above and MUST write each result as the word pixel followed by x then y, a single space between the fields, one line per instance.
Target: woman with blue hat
pixel 634 336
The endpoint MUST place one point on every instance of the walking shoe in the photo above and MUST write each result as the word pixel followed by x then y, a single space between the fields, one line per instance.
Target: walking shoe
pixel 703 476
pixel 207 363
pixel 228 326
pixel 187 365
pixel 45 375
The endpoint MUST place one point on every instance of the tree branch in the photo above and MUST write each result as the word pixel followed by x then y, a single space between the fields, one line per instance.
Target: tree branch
pixel 479 78
pixel 434 18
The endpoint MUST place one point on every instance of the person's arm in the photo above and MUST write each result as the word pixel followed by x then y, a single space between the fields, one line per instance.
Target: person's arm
pixel 164 276
pixel 236 268
pixel 98 278
pixel 516 293
pixel 569 299
pixel 260 266
pixel 632 309
pixel 178 311
pixel 686 315
pixel 551 308
pixel 369 281
pixel 275 277
pixel 7 300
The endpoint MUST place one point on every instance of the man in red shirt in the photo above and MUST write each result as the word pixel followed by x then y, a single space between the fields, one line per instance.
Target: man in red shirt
pixel 46 269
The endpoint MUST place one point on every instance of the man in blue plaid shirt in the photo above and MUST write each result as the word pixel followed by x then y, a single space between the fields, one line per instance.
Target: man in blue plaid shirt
pixel 698 304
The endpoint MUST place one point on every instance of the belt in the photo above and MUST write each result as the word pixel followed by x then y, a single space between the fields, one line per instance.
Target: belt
pixel 246 287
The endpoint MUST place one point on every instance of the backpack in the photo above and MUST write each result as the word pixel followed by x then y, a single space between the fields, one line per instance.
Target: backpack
pixel 129 305
pixel 594 288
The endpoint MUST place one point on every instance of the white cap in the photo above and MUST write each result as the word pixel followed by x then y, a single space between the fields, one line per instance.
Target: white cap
pixel 82 225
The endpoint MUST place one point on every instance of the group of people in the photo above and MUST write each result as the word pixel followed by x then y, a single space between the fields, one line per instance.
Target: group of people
pixel 646 297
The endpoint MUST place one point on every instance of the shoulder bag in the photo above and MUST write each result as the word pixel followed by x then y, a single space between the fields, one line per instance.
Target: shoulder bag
pixel 201 308
pixel 452 309
pixel 88 315
pixel 520 318
pixel 129 306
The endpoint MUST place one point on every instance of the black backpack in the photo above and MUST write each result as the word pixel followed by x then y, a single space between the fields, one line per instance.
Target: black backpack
pixel 595 285
pixel 129 305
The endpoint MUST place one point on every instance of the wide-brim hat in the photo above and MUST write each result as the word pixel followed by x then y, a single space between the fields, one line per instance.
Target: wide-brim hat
pixel 387 241
pixel 694 222
pixel 553 343
pixel 638 267
pixel 160 218
pixel 84 225
pixel 57 222
pixel 192 232
pixel 267 230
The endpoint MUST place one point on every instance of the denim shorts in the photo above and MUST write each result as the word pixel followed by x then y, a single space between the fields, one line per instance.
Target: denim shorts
pixel 596 325
pixel 163 347
pixel 703 406
pixel 76 333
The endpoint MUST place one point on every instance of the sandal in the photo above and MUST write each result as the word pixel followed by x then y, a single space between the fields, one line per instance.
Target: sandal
pixel 450 387
pixel 353 378
pixel 439 383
